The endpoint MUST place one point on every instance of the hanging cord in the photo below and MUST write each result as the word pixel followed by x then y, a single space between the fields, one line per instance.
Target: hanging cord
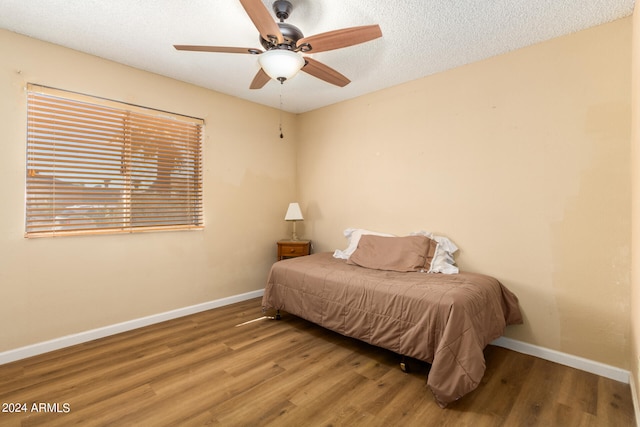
pixel 281 135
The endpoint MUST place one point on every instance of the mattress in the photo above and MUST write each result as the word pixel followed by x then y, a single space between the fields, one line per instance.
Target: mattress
pixel 444 319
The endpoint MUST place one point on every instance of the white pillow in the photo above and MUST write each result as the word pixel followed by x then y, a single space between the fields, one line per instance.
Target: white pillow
pixel 443 261
pixel 353 237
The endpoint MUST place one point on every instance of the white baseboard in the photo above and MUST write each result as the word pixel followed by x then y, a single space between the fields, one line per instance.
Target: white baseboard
pixel 69 340
pixel 583 364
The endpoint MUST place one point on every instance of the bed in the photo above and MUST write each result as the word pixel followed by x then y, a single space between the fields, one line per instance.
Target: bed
pixel 443 319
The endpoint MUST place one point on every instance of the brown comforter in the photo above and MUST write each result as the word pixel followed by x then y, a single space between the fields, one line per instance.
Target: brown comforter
pixel 445 320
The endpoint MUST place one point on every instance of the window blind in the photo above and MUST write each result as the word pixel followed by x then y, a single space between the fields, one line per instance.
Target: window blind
pixel 100 166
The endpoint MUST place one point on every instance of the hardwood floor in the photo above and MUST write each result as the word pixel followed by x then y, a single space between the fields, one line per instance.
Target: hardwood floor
pixel 205 370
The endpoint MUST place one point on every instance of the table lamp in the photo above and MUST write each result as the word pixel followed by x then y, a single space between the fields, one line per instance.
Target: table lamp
pixel 293 214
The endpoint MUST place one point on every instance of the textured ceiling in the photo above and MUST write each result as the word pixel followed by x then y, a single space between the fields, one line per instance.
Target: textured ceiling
pixel 420 37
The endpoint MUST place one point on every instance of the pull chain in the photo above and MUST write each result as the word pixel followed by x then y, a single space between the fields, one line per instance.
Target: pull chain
pixel 281 135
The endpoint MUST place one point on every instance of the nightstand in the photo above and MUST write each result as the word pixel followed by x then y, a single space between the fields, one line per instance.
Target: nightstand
pixel 293 248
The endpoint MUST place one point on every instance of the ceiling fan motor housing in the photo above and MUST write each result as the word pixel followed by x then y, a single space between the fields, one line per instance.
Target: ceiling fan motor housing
pixel 290 33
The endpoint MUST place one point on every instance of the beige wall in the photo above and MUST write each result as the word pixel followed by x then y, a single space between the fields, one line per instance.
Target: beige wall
pixel 522 160
pixel 635 210
pixel 59 286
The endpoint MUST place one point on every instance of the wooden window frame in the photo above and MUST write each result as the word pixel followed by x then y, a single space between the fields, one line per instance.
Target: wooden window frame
pixel 98 166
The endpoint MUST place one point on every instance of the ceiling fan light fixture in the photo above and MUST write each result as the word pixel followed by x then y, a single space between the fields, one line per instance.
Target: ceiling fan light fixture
pixel 281 64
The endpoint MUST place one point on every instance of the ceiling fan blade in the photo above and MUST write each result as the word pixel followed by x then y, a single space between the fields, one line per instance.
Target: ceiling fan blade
pixel 222 49
pixel 262 19
pixel 260 80
pixel 341 38
pixel 323 72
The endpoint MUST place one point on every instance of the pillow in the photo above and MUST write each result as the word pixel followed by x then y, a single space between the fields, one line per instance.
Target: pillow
pixel 409 253
pixel 443 261
pixel 353 237
pixel 447 245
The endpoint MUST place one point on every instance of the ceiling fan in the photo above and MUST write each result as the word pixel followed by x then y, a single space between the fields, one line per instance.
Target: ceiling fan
pixel 284 45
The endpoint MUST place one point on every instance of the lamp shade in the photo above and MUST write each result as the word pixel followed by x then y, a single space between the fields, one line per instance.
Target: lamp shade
pixel 293 213
pixel 281 64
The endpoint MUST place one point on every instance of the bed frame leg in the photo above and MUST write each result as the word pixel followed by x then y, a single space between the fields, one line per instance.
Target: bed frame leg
pixel 278 317
pixel 404 366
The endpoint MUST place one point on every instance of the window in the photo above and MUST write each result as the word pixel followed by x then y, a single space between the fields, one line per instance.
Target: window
pixel 100 166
